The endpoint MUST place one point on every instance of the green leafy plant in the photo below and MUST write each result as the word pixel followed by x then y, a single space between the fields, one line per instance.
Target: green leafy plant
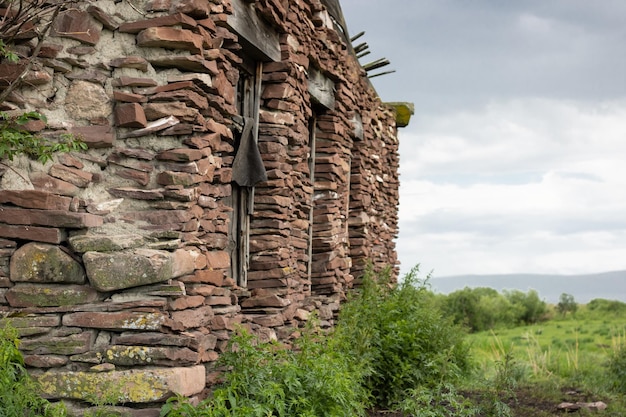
pixel 617 368
pixel 266 379
pixel 15 141
pixel 400 338
pixel 485 308
pixel 566 304
pixel 104 400
pixel 7 53
pixel 440 401
pixel 18 391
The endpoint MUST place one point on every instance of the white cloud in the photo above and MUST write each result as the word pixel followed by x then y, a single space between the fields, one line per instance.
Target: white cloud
pixel 521 186
pixel 515 160
pixel 522 135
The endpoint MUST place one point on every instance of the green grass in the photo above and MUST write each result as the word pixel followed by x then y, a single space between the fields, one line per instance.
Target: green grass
pixel 583 352
pixel 562 347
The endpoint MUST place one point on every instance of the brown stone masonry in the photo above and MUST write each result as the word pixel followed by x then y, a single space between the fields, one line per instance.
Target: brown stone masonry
pixel 130 264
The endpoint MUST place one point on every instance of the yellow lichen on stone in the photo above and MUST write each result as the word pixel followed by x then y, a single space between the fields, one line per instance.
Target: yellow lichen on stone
pixel 404 111
pixel 145 322
pixel 133 386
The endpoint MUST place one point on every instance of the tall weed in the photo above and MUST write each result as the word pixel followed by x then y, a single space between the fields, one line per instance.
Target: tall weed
pixel 266 379
pixel 617 364
pixel 18 392
pixel 400 337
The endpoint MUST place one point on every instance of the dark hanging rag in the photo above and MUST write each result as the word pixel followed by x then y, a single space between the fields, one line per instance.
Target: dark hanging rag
pixel 248 168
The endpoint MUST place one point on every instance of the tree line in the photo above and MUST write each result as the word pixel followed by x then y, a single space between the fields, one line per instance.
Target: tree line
pixel 482 308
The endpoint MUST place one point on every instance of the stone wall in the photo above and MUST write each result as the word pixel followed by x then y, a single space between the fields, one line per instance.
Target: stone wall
pixel 117 263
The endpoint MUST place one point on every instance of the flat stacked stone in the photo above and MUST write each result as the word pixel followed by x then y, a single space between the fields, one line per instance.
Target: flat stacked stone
pixel 116 261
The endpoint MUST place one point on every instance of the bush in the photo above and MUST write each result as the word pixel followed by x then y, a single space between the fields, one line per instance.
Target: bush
pixel 400 338
pixel 617 369
pixel 18 392
pixel 481 309
pixel 530 307
pixel 566 304
pixel 390 346
pixel 606 306
pixel 266 379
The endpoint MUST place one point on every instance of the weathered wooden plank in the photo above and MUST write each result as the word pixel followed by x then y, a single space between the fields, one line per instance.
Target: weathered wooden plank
pixel 322 89
pixel 258 37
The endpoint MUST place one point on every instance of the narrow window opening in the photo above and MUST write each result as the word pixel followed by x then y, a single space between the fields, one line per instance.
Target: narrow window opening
pixel 311 163
pixel 248 101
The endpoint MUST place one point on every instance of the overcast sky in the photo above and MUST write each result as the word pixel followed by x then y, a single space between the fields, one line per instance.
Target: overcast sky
pixel 515 159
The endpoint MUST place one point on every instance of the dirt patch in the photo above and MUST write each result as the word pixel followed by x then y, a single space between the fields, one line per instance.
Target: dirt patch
pixel 523 402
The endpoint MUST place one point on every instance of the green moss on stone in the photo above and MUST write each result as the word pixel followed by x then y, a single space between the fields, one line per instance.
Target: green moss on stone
pixel 40 262
pixel 32 295
pixel 120 270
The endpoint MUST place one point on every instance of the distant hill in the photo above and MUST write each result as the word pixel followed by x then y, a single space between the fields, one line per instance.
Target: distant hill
pixel 584 288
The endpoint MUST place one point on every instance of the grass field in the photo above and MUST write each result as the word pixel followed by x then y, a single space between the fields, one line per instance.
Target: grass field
pixel 566 354
pixel 557 347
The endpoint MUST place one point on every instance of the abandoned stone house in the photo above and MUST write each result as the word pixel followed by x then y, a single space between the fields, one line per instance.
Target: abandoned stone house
pixel 240 169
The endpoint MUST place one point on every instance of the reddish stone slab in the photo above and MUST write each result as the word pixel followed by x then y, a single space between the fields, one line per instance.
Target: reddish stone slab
pixel 125 320
pixel 133 82
pixel 198 9
pixel 206 276
pixel 9 72
pixel 35 199
pixel 137 193
pixel 189 97
pixel 52 218
pixel 181 155
pixel 171 20
pixel 139 177
pixel 128 97
pixel 76 24
pixel 37 234
pixel 95 136
pixel 100 15
pixel 74 176
pixel 170 38
pixel 130 115
pixel 47 183
pixel 136 62
pixel 195 63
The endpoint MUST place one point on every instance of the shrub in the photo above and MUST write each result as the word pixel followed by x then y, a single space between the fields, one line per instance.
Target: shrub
pixel 481 309
pixel 531 308
pixel 400 338
pixel 617 369
pixel 440 401
pixel 566 304
pixel 18 392
pixel 265 379
pixel 606 306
